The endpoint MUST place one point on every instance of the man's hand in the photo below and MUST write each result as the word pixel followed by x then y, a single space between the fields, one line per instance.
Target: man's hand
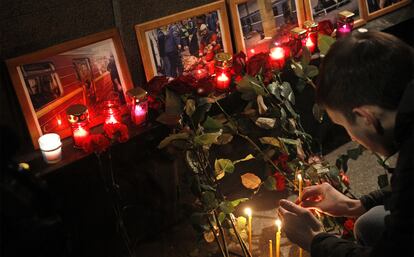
pixel 299 224
pixel 327 199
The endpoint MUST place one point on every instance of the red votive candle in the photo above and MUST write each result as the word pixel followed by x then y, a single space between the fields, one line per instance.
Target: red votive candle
pixel 277 55
pixel 78 117
pixel 111 111
pixel 344 23
pixel 138 105
pixel 222 82
pixel 311 41
pixel 223 64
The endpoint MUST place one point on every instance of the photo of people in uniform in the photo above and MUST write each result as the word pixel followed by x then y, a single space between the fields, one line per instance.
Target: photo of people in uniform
pixel 186 45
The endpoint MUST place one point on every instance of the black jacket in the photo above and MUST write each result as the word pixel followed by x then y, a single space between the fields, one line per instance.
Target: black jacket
pixel 398 238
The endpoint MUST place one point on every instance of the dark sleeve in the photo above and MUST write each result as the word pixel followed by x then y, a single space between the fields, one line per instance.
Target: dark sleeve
pixel 375 198
pixel 325 244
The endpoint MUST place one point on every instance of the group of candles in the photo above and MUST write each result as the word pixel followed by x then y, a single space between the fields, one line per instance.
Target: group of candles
pixel 78 118
pixel 278 224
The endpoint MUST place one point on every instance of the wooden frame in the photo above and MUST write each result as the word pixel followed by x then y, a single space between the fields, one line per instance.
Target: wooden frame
pixel 384 10
pixel 151 55
pixel 237 24
pixel 309 14
pixel 36 75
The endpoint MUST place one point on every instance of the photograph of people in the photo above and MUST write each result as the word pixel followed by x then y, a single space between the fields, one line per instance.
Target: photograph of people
pixel 186 45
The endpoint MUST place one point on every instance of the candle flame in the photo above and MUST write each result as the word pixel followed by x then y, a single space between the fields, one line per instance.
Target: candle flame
pixel 299 176
pixel 111 120
pixel 309 42
pixel 59 121
pixel 248 211
pixel 252 51
pixel 222 77
pixel 278 224
pixel 277 53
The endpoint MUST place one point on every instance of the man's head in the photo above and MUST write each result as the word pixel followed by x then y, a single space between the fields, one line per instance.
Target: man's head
pixel 362 80
pixel 203 29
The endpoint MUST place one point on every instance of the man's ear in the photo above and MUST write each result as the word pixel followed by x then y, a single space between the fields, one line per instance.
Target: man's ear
pixel 364 113
pixel 369 118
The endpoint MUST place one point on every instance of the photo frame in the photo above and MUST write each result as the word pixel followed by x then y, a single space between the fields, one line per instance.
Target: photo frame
pixel 252 32
pixel 377 8
pixel 80 71
pixel 318 10
pixel 183 42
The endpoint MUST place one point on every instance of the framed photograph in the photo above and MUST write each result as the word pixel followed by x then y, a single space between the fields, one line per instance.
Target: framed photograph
pixel 376 8
pixel 318 10
pixel 84 71
pixel 257 22
pixel 183 42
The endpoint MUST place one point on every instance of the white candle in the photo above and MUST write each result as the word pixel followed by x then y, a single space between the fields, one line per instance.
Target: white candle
pixel 279 226
pixel 248 211
pixel 51 147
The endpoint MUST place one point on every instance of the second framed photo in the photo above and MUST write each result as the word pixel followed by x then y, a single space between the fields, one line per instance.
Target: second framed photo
pixel 318 10
pixel 82 71
pixel 257 22
pixel 183 42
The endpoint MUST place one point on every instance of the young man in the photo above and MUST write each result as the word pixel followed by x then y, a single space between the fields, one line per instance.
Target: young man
pixel 367 86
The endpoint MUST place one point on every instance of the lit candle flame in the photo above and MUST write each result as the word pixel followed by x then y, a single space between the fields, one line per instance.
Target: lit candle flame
pixel 222 77
pixel 252 51
pixel 277 53
pixel 309 42
pixel 278 223
pixel 299 177
pixel 248 212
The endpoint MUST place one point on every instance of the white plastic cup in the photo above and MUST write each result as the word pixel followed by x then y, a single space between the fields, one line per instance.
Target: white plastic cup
pixel 51 148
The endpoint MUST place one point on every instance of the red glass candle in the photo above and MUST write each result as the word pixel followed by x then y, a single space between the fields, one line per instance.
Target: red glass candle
pixel 223 64
pixel 138 105
pixel 111 112
pixel 311 35
pixel 200 73
pixel 298 40
pixel 344 24
pixel 277 55
pixel 222 82
pixel 78 118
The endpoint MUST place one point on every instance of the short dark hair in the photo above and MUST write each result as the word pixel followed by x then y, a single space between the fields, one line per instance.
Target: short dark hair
pixel 371 68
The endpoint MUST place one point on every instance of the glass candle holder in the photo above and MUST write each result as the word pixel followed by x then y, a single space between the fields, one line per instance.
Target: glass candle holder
pixel 78 117
pixel 297 40
pixel 311 35
pixel 344 23
pixel 138 105
pixel 223 63
pixel 51 147
pixel 277 57
pixel 111 111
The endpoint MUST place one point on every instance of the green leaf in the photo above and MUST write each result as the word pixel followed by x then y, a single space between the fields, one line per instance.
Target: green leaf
pixel 225 138
pixel 248 157
pixel 209 200
pixel 222 166
pixel 166 141
pixel 333 171
pixel 311 71
pixel 172 103
pixel 190 107
pixel 289 141
pixel 207 187
pixel 266 123
pixel 300 85
pixel 236 202
pixel 221 217
pixel 207 139
pixel 317 112
pixel 290 109
pixel 274 88
pixel 306 56
pixel 212 125
pixel 354 153
pixel 286 89
pixel 200 113
pixel 324 43
pixel 249 84
pixel 226 207
pixel 168 119
pixel 298 69
pixel 241 223
pixel 270 141
pixel 270 183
